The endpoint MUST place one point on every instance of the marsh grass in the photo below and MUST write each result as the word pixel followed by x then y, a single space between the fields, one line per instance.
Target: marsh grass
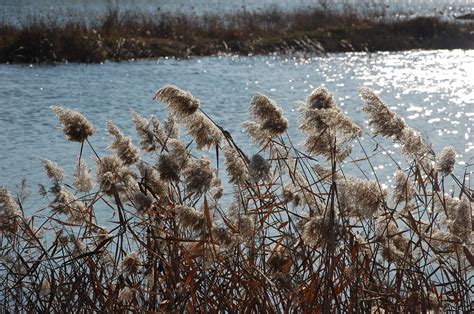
pixel 129 35
pixel 291 232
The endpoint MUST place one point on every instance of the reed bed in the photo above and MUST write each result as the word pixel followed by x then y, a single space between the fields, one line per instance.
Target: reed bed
pixel 130 35
pixel 290 232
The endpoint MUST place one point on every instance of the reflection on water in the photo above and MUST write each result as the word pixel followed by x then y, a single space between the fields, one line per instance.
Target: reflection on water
pixel 432 90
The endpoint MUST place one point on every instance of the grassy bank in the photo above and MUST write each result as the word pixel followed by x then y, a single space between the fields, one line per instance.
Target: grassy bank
pixel 130 36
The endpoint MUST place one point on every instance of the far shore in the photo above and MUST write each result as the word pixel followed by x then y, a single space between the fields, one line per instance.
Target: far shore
pixel 128 36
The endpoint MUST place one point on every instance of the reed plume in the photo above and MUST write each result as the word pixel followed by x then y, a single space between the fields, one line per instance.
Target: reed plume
pixel 76 127
pixel 290 233
pixel 268 115
pixel 114 176
pixel 83 181
pixel 150 132
pixel 385 122
pixel 122 145
pixel 445 160
pixel 180 103
pixel 10 213
pixel 326 127
pixel 53 171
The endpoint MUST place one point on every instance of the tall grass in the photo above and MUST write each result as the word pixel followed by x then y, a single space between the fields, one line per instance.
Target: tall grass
pixel 291 232
pixel 129 35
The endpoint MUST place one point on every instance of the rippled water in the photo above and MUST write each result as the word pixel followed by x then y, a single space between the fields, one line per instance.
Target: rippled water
pixel 432 90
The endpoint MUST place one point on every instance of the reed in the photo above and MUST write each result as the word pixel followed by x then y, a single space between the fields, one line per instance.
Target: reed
pixel 292 231
pixel 129 35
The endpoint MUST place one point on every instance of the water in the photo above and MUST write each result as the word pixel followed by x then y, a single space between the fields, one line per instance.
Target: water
pixel 21 10
pixel 432 90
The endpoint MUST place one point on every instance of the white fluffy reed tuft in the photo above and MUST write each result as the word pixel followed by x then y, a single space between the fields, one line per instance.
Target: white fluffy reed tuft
pixel 170 126
pixel 413 143
pixel 236 167
pixel 131 263
pixel 404 190
pixel 181 103
pixel 82 179
pixel 190 218
pixel 259 168
pixel 9 212
pixel 388 124
pixel 151 179
pixel 122 145
pixel 76 127
pixel 268 115
pixel 360 198
pixel 384 121
pixel 53 171
pixel 168 168
pixel 461 225
pixel 150 133
pixel 142 202
pixel 114 176
pixel 326 127
pixel 316 231
pixel 67 204
pixel 203 130
pixel 126 295
pixel 256 132
pixel 198 176
pixel 445 160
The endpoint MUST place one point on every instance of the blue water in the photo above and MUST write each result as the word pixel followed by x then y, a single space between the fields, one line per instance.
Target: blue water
pixel 432 90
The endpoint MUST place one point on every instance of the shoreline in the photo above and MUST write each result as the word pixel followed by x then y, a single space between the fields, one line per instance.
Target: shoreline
pixel 121 37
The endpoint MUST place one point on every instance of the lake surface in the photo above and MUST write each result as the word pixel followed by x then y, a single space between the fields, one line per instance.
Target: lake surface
pixel 432 90
pixel 22 10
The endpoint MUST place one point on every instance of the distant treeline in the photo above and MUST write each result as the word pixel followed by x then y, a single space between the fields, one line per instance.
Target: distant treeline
pixel 125 36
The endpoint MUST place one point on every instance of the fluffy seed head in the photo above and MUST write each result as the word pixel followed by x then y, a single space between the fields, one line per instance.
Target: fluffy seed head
pixel 181 103
pixel 66 203
pixel 142 202
pixel 198 176
pixel 445 160
pixel 256 132
pixel 384 121
pixel 461 225
pixel 413 143
pixel 122 145
pixel 326 126
pixel 320 98
pixel 76 127
pixel 178 153
pixel 126 295
pixel 53 171
pixel 404 189
pixel 236 167
pixel 171 129
pixel 151 179
pixel 9 212
pixel 167 168
pixel 268 114
pixel 259 168
pixel 190 218
pixel 112 175
pixel 131 263
pixel 360 198
pixel 316 231
pixel 148 138
pixel 82 179
pixel 203 130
